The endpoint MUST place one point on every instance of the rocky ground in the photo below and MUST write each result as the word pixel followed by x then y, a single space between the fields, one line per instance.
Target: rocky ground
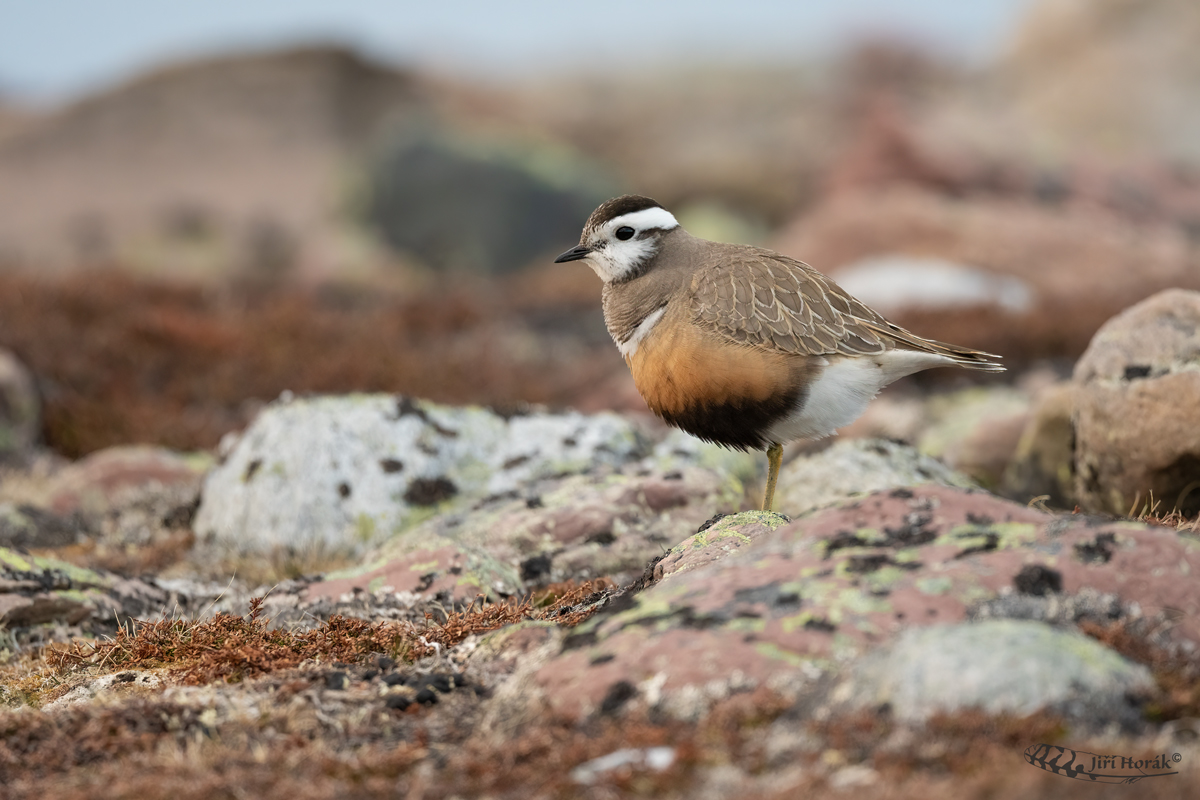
pixel 307 493
pixel 371 595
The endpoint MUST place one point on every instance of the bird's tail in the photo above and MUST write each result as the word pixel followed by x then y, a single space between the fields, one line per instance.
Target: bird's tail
pixel 961 356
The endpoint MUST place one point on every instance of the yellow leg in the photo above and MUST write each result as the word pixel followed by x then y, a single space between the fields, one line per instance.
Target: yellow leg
pixel 774 459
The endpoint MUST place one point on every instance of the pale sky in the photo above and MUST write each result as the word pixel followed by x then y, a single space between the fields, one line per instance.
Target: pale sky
pixel 55 49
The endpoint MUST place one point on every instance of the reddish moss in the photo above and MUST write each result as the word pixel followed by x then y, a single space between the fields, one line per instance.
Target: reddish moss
pixel 123 359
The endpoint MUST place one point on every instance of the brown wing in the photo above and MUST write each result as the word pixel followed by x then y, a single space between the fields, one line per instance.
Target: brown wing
pixel 764 299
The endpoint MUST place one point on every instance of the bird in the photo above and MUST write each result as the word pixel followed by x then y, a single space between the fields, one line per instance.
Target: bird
pixel 739 345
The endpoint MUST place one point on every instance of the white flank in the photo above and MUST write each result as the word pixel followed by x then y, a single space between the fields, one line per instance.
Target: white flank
pixel 841 394
pixel 630 345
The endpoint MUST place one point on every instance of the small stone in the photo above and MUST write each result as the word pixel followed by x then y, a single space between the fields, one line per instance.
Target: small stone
pixel 399 702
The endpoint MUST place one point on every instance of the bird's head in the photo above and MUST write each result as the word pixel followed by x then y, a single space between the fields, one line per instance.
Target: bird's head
pixel 621 237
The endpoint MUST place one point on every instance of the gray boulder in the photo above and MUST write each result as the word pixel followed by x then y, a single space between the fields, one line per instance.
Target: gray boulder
pixel 337 475
pixel 1000 666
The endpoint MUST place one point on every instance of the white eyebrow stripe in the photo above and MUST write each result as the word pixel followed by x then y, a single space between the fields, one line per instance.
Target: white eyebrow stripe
pixel 630 345
pixel 646 219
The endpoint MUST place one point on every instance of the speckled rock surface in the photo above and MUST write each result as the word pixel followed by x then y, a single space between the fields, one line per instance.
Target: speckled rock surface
pixel 573 527
pixel 36 590
pixel 1000 666
pixel 340 474
pixel 850 467
pixel 1137 412
pixel 787 608
pixel 715 540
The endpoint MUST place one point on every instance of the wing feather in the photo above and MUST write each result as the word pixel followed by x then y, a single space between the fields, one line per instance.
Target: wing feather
pixel 764 299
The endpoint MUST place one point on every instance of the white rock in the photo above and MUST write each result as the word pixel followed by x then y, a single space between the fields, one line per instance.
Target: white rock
pixel 334 475
pixel 893 283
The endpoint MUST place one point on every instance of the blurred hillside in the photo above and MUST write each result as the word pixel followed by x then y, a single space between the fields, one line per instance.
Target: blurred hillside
pixel 181 247
pixel 213 164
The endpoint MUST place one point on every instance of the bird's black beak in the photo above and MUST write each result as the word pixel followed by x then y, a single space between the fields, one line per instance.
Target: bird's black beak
pixel 573 255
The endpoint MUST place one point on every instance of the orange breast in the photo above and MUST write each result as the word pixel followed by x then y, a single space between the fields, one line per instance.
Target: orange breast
pixel 714 389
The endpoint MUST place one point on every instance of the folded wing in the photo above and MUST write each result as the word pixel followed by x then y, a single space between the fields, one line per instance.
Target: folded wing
pixel 766 300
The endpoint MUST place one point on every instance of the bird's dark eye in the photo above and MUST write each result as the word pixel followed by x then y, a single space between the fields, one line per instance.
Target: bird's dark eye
pixel 625 233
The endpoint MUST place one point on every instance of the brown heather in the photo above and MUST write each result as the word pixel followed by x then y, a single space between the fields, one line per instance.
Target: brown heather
pixel 121 359
pixel 233 648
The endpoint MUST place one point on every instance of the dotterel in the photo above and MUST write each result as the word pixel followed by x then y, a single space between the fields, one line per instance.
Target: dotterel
pixel 743 346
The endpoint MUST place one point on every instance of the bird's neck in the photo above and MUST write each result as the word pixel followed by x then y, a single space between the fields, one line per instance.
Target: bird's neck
pixel 628 303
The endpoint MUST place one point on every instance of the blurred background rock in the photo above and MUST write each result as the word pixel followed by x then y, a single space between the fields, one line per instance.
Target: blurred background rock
pixel 232 204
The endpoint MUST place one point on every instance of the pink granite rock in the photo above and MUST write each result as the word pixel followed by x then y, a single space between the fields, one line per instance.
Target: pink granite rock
pixel 573 527
pixel 787 606
pixel 109 477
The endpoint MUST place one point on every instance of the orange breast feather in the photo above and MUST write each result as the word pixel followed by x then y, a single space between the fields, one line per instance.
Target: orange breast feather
pixel 679 366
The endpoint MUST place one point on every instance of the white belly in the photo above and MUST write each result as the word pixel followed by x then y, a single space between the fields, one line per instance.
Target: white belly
pixel 844 388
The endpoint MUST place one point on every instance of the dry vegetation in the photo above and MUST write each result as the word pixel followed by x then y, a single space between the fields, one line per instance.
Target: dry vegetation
pixel 155 746
pixel 232 648
pixel 121 359
pixel 149 749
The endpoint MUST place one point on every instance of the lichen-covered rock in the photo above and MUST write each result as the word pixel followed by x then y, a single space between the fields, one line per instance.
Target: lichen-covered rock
pixel 20 409
pixel 1137 408
pixel 800 602
pixel 1008 666
pixel 337 475
pixel 716 539
pixel 37 590
pixel 573 527
pixel 26 526
pixel 856 467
